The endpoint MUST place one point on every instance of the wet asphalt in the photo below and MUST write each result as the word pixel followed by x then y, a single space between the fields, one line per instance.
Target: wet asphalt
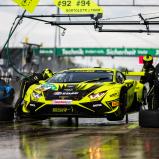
pixel 94 139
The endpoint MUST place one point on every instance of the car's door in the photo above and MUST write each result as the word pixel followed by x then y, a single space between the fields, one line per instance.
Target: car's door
pixel 131 85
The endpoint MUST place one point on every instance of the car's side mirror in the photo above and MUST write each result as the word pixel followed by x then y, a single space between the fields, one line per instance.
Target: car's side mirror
pixel 129 82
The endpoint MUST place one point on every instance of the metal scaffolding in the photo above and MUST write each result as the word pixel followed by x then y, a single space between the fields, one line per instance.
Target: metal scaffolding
pixel 132 3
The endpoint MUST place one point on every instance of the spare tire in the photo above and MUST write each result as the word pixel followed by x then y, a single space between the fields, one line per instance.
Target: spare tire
pixel 9 100
pixel 149 118
pixel 6 113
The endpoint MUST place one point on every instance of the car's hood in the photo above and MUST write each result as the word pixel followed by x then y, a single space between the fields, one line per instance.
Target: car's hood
pixel 74 91
pixel 70 87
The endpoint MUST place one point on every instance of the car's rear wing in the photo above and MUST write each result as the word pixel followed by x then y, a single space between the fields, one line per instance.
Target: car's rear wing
pixel 126 73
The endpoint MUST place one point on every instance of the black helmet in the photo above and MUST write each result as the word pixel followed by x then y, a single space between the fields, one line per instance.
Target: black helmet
pixel 47 73
pixel 148 60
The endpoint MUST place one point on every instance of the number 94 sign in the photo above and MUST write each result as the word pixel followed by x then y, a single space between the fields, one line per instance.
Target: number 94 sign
pixel 78 6
pixel 67 6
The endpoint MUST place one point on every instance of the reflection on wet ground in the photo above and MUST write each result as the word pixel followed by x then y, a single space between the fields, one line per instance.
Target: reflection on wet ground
pixel 94 139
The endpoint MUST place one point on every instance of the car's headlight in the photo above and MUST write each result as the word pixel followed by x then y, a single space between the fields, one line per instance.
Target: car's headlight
pixel 36 95
pixel 97 95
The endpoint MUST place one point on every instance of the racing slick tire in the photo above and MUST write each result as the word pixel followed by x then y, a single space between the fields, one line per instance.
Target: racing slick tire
pixel 149 118
pixel 123 97
pixel 6 113
pixel 10 99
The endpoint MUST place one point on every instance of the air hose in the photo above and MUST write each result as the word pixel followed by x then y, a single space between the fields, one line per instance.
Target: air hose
pixel 12 30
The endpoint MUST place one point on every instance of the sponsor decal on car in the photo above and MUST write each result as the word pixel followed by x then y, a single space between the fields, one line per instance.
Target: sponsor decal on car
pixel 70 93
pixel 97 105
pixel 61 102
pixel 66 93
pixel 32 105
pixel 51 86
pixel 46 87
pixel 57 93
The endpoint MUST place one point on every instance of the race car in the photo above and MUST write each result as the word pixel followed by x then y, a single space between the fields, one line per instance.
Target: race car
pixel 84 92
pixel 6 92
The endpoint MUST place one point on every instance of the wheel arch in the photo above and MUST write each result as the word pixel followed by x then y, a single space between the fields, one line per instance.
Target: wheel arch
pixel 140 90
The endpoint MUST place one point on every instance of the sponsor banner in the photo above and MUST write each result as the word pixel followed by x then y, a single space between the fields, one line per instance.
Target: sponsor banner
pixel 78 6
pixel 106 51
pixel 28 5
pixel 46 51
pixel 94 51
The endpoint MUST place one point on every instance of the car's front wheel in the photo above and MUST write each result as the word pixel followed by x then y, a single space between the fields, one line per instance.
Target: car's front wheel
pixel 121 112
pixel 18 111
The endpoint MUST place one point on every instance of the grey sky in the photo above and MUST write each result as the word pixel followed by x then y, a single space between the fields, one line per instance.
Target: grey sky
pixel 80 36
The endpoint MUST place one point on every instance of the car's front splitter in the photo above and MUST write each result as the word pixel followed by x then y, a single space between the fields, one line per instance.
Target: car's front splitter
pixel 40 109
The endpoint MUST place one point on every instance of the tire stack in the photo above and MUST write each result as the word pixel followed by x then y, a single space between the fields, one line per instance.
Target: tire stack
pixel 149 118
pixel 6 112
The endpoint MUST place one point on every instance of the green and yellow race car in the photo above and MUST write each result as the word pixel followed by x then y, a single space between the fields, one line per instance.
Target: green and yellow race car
pixel 84 92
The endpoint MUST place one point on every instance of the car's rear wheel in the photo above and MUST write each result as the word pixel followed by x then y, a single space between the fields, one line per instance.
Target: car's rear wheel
pixel 6 113
pixel 123 101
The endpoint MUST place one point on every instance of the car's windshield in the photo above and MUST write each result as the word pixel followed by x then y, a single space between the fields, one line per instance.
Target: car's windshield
pixel 75 77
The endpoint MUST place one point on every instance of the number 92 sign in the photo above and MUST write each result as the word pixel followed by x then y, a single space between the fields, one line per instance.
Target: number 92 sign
pixel 67 6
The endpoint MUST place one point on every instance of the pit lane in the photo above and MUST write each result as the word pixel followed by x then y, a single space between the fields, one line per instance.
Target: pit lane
pixel 93 139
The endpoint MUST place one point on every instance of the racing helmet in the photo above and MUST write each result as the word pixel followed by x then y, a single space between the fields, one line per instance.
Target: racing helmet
pixel 47 73
pixel 147 60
